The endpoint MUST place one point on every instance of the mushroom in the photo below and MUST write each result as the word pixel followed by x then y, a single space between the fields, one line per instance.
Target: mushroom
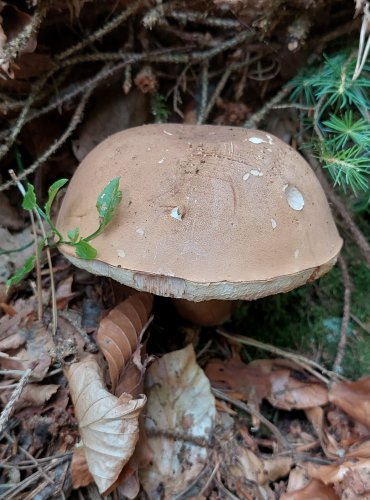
pixel 209 213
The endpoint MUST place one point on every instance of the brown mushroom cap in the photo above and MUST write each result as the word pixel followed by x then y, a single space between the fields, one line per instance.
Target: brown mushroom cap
pixel 208 212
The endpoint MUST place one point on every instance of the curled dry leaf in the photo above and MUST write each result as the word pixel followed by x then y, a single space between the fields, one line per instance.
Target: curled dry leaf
pixel 119 333
pixel 353 398
pixel 108 425
pixel 315 490
pixel 179 420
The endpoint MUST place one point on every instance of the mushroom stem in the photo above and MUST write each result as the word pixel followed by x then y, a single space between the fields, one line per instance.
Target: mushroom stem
pixel 207 312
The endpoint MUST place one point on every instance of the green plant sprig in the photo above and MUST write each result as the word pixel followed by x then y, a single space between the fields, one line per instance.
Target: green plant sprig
pixel 340 118
pixel 107 202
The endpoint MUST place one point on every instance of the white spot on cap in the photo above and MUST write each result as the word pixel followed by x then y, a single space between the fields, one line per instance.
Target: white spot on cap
pixel 256 140
pixel 167 133
pixel 121 253
pixel 296 254
pixel 273 223
pixel 161 160
pixel 284 187
pixel 176 214
pixel 140 231
pixel 294 197
pixel 256 173
pixel 269 138
pixel 246 176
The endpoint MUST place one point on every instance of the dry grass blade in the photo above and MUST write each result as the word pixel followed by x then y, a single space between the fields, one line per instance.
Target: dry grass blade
pixel 109 426
pixel 119 333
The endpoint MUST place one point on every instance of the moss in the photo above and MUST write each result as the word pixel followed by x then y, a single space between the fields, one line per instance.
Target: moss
pixel 308 320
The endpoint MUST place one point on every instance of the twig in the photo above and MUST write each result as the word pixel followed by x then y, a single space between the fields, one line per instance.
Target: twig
pixel 16 489
pixel 97 35
pixel 360 323
pixel 204 92
pixel 219 88
pixel 76 118
pixel 307 364
pixel 203 18
pixel 31 458
pixel 12 48
pixel 5 414
pixel 252 411
pixel 256 118
pixel 337 366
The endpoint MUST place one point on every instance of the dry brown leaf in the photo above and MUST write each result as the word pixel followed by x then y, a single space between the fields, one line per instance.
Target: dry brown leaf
pixel 36 395
pixel 274 380
pixel 63 293
pixel 108 425
pixel 79 469
pixel 113 111
pixel 297 480
pixel 351 479
pixel 180 413
pixel 233 374
pixel 317 418
pixel 353 398
pixel 315 490
pixel 119 333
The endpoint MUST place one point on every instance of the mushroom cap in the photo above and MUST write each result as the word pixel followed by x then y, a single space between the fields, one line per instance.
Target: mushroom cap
pixel 208 212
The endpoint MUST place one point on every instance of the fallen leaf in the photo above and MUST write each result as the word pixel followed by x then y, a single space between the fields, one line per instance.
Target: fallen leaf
pixel 36 395
pixel 108 425
pixel 297 480
pixel 281 383
pixel 81 476
pixel 351 478
pixel 329 445
pixel 179 420
pixel 233 374
pixel 63 292
pixel 315 490
pixel 353 398
pixel 120 332
pixel 113 111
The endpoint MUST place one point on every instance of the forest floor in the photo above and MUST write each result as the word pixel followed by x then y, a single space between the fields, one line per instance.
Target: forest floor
pixel 275 403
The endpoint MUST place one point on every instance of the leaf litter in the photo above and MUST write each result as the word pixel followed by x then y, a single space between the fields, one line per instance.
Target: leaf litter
pixel 326 426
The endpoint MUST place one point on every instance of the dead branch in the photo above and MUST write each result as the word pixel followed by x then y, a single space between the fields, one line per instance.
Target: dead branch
pixel 337 366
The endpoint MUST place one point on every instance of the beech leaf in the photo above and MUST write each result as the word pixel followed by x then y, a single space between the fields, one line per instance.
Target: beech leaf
pixel 181 409
pixel 109 426
pixel 119 333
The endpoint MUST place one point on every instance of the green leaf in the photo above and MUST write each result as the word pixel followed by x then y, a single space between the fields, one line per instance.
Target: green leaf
pixel 85 251
pixel 73 234
pixel 22 272
pixel 107 201
pixel 29 201
pixel 53 191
